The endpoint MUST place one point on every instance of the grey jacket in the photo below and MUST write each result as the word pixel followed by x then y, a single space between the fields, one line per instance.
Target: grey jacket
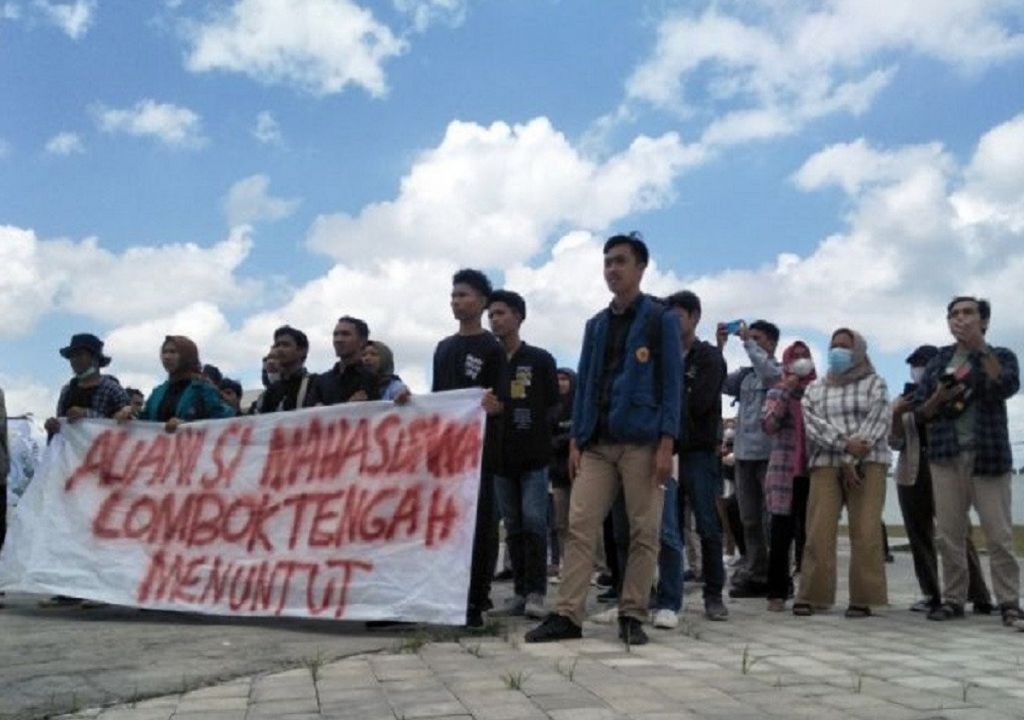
pixel 751 385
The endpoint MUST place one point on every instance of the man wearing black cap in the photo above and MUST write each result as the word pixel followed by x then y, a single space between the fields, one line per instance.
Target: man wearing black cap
pixel 89 393
pixel 917 503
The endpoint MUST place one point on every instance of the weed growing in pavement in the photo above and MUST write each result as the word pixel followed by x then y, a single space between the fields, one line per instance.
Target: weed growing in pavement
pixel 313 664
pixel 476 650
pixel 690 629
pixel 515 680
pixel 748 661
pixel 965 687
pixel 858 682
pixel 567 669
pixel 412 644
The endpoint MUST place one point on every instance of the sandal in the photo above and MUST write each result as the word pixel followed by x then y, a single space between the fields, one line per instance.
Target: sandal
pixel 858 611
pixel 802 609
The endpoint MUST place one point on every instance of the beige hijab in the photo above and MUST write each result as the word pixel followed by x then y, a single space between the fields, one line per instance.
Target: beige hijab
pixel 860 366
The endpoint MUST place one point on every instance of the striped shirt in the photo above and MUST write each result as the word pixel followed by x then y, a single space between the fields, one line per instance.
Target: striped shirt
pixel 834 414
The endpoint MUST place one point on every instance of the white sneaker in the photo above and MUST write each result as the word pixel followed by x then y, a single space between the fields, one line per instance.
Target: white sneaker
pixel 665 619
pixel 606 617
pixel 535 606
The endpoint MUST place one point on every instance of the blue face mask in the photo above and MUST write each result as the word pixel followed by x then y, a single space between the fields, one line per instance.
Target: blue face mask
pixel 839 360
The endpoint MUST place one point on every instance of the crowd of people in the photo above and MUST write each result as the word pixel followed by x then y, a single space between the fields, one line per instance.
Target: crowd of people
pixel 608 467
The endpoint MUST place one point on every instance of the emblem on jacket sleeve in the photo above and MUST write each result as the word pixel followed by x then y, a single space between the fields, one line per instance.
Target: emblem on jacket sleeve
pixel 642 354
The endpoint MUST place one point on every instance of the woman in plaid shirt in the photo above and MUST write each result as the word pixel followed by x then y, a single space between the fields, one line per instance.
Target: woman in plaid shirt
pixel 846 418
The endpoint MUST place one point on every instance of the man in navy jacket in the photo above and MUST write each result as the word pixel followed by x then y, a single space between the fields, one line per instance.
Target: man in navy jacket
pixel 625 420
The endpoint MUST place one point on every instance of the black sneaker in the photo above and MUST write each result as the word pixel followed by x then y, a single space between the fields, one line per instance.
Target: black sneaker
pixel 946 611
pixel 631 631
pixel 715 609
pixel 608 596
pixel 474 619
pixel 982 608
pixel 554 628
pixel 604 580
pixel 924 605
pixel 749 589
pixel 1011 614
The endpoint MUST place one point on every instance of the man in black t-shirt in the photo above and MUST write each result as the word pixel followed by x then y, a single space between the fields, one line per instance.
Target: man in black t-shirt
pixel 349 380
pixel 473 357
pixel 292 389
pixel 530 393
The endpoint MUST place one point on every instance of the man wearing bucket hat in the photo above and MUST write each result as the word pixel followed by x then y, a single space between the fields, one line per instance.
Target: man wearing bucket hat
pixel 89 394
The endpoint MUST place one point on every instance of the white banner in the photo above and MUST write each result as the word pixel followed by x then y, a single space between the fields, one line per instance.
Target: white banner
pixel 362 511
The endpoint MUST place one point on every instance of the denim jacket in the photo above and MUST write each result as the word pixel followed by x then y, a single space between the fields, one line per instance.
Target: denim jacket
pixel 643 407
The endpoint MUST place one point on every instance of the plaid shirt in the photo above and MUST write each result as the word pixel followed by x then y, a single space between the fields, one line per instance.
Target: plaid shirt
pixel 108 398
pixel 781 419
pixel 835 413
pixel 992 454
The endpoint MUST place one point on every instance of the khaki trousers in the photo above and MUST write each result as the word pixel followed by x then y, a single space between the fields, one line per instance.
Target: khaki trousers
pixel 957 489
pixel 867 559
pixel 604 468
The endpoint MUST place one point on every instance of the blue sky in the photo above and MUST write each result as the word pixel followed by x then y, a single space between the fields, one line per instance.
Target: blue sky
pixel 220 168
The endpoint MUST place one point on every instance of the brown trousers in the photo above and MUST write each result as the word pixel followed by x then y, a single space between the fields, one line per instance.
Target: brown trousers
pixel 604 469
pixel 957 489
pixel 867 559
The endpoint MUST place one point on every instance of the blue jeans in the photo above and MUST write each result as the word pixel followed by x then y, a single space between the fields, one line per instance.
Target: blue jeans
pixel 702 485
pixel 669 593
pixel 523 501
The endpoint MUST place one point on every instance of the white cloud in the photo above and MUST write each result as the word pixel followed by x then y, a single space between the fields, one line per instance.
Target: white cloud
pixel 266 130
pixel 319 46
pixel 914 237
pixel 492 195
pixel 81 277
pixel 248 201
pixel 753 71
pixel 23 395
pixel 74 18
pixel 10 11
pixel 5 148
pixel 65 143
pixel 170 124
pixel 424 13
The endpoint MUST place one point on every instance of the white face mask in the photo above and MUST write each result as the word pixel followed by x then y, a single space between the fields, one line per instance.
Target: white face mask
pixel 917 374
pixel 88 372
pixel 802 367
pixel 273 377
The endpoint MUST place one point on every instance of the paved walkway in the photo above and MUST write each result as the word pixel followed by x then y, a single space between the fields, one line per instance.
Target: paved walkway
pixel 758 665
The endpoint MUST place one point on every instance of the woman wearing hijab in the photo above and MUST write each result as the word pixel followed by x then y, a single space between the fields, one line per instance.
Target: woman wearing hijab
pixel 186 395
pixel 379 359
pixel 846 418
pixel 782 418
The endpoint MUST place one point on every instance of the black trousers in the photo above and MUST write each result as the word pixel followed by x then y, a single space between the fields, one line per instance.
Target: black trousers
pixel 732 514
pixel 801 491
pixel 3 514
pixel 485 546
pixel 780 540
pixel 917 504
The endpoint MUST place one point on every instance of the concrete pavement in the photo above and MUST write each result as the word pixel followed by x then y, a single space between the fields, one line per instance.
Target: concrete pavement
pixel 893 666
